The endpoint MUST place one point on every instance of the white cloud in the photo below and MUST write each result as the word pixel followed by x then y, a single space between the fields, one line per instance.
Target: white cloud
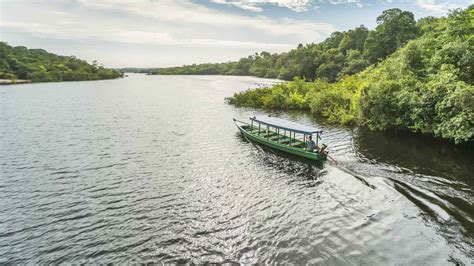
pixel 254 5
pixel 295 5
pixel 135 37
pixel 150 33
pixel 435 7
pixel 185 12
pixel 167 33
pixel 163 22
pixel 239 44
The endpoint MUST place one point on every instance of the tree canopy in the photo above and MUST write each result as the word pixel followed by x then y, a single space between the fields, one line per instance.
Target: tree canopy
pixel 38 65
pixel 343 53
pixel 424 86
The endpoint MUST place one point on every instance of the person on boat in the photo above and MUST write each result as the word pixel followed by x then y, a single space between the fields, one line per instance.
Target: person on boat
pixel 322 149
pixel 310 145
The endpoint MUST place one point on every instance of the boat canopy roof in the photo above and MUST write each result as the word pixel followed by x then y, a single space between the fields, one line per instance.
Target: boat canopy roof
pixel 286 125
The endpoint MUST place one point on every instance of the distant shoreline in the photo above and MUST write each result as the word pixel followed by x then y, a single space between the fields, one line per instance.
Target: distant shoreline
pixel 13 81
pixel 6 82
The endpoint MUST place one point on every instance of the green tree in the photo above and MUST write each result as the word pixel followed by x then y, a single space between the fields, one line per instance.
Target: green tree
pixel 38 65
pixel 395 28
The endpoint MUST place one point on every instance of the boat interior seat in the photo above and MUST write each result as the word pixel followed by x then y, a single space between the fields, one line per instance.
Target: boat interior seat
pixel 275 138
pixel 297 144
pixel 264 134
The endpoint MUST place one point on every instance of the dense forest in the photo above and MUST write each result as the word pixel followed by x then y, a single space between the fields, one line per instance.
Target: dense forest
pixel 342 54
pixel 425 86
pixel 37 65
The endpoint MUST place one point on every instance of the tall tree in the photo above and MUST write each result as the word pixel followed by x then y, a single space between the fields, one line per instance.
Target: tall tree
pixel 395 28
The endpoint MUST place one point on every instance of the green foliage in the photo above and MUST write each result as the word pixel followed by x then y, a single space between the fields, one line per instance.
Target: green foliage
pixel 355 63
pixel 38 65
pixel 332 104
pixel 343 53
pixel 426 86
pixel 395 28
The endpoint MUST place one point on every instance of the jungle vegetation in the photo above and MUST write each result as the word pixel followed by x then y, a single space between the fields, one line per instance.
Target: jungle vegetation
pixel 342 54
pixel 423 84
pixel 37 65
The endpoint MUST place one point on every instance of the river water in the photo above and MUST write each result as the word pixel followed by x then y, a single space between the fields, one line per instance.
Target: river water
pixel 152 169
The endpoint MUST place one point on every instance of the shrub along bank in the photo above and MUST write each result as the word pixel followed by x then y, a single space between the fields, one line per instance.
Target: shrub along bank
pixel 425 86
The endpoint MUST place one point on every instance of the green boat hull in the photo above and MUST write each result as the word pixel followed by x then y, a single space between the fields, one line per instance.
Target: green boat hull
pixel 251 135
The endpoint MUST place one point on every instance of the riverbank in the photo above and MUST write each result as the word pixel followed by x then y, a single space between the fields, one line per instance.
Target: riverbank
pixel 23 65
pixel 443 111
pixel 425 87
pixel 4 82
pixel 13 81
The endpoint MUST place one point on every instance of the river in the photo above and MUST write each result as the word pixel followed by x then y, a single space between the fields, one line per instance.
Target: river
pixel 152 169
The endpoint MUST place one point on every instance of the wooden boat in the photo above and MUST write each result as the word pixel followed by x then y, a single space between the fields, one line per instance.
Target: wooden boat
pixel 282 135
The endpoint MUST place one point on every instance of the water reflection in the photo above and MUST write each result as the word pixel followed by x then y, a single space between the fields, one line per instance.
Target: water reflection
pixel 152 169
pixel 433 174
pixel 302 170
pixel 420 154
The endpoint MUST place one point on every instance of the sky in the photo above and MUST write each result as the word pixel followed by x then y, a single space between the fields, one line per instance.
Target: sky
pixel 161 33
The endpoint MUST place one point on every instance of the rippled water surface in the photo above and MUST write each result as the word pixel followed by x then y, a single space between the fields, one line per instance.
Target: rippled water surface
pixel 152 169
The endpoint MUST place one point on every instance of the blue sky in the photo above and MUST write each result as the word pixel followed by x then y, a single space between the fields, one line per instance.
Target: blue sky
pixel 156 33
